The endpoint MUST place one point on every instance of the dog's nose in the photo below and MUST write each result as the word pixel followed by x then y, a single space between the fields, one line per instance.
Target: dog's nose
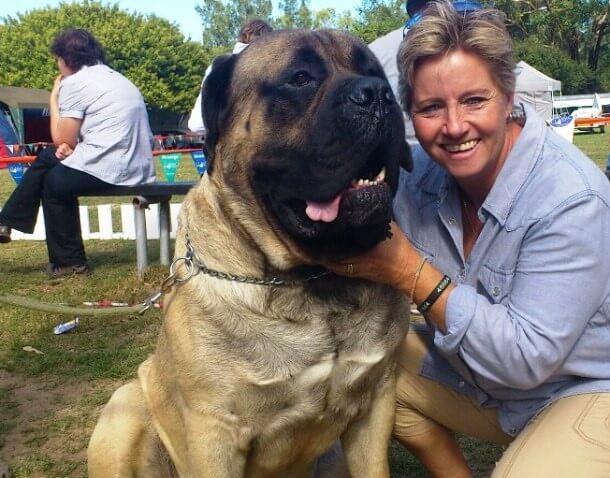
pixel 372 94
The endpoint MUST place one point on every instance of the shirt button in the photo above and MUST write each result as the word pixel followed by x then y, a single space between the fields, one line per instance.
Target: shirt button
pixel 452 221
pixel 495 291
pixel 462 274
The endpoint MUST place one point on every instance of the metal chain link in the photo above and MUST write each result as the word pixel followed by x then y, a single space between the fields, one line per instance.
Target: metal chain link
pixel 193 266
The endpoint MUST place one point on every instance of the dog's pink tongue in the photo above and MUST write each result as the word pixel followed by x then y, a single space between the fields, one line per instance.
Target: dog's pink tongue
pixel 323 211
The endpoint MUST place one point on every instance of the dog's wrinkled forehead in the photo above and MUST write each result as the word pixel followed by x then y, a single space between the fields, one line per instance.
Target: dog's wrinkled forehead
pixel 278 54
pixel 269 74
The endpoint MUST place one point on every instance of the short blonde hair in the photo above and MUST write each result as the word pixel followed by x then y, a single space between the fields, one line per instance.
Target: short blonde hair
pixel 443 30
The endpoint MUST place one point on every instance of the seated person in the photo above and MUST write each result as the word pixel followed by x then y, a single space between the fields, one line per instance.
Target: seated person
pixel 99 125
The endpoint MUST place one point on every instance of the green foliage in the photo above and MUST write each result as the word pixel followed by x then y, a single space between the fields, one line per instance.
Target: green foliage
pixel 378 17
pixel 554 62
pixel 222 21
pixel 579 28
pixel 150 51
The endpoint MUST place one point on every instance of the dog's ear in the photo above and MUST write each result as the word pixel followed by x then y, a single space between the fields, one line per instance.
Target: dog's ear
pixel 215 102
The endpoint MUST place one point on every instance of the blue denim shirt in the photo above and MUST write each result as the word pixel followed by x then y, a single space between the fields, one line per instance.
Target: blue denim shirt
pixel 529 319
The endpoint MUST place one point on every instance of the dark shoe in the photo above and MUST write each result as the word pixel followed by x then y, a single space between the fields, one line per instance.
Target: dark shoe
pixel 54 271
pixel 5 234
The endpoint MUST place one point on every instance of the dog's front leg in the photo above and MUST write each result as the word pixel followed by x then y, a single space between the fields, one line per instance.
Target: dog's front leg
pixel 365 442
pixel 213 449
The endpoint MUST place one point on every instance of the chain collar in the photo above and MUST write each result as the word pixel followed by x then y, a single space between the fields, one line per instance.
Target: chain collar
pixel 194 266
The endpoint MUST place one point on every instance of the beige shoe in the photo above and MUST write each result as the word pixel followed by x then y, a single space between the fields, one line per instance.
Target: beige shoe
pixel 5 234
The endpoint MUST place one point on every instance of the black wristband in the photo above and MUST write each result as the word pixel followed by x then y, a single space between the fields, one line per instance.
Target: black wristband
pixel 434 295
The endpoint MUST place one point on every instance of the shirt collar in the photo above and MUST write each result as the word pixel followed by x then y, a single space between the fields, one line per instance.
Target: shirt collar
pixel 518 165
pixel 432 178
pixel 239 47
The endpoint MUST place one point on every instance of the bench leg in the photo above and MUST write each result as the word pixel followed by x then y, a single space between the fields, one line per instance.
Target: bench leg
pixel 141 238
pixel 164 230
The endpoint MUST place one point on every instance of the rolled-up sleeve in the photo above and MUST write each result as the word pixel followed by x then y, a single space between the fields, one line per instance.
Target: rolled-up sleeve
pixel 461 309
pixel 560 282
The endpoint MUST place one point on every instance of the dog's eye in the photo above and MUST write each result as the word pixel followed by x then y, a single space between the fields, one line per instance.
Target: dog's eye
pixel 300 78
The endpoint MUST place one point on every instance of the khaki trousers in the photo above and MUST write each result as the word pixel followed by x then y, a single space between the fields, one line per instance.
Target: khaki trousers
pixel 569 439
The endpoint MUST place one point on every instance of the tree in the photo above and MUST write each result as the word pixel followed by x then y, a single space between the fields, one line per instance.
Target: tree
pixel 289 10
pixel 148 50
pixel 574 77
pixel 580 28
pixel 222 21
pixel 297 14
pixel 378 17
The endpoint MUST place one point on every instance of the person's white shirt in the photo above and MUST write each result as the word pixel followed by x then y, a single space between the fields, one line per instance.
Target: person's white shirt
pixel 115 140
pixel 385 48
pixel 195 122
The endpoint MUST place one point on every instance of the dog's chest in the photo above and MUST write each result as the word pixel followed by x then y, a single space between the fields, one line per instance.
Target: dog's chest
pixel 316 373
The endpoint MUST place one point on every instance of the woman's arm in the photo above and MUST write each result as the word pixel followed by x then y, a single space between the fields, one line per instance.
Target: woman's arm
pixel 560 282
pixel 395 262
pixel 63 130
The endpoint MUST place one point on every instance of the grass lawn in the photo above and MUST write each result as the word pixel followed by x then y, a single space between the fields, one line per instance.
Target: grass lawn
pixel 50 402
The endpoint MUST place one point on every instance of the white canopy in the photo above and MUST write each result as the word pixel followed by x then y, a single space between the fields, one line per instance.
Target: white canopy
pixel 536 89
pixel 530 79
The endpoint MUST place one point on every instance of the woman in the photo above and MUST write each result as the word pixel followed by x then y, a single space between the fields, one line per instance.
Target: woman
pixel 100 126
pixel 506 252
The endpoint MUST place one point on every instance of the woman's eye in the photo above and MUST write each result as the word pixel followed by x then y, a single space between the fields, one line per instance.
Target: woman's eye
pixel 431 109
pixel 474 101
pixel 301 78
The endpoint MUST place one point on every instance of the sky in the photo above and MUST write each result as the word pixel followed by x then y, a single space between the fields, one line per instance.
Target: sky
pixel 182 12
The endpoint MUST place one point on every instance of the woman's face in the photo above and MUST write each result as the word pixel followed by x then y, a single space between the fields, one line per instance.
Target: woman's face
pixel 64 69
pixel 460 117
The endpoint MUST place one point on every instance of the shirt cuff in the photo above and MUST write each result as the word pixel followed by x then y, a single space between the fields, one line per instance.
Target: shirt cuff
pixel 71 114
pixel 461 306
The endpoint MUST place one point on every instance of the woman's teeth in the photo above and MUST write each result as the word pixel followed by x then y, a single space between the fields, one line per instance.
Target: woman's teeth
pixel 359 183
pixel 458 148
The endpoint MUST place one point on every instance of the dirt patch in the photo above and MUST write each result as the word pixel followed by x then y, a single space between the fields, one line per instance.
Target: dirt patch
pixel 47 423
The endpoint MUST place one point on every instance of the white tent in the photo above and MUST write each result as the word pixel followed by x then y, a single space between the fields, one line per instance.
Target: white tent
pixel 536 89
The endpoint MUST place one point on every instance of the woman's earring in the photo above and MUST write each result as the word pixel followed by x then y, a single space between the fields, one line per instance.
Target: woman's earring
pixel 517 115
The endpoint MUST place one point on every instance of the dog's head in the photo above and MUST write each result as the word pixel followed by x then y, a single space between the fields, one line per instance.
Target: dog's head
pixel 305 136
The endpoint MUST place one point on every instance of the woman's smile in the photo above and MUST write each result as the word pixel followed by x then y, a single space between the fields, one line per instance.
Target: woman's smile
pixel 460 117
pixel 464 147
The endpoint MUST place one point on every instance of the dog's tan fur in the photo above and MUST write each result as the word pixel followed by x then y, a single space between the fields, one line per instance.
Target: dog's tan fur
pixel 249 380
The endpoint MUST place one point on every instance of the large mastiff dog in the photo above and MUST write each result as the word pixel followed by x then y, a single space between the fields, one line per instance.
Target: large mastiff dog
pixel 259 380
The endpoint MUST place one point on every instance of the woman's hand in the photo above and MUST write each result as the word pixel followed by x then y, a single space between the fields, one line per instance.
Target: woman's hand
pixel 391 262
pixel 63 151
pixel 55 90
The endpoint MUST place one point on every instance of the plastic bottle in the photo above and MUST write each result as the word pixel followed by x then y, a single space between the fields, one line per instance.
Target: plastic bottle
pixel 66 326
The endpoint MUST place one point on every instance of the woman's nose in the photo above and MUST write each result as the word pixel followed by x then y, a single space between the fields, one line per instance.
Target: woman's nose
pixel 455 124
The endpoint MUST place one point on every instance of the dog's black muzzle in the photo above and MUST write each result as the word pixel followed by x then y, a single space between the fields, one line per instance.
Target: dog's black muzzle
pixel 370 96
